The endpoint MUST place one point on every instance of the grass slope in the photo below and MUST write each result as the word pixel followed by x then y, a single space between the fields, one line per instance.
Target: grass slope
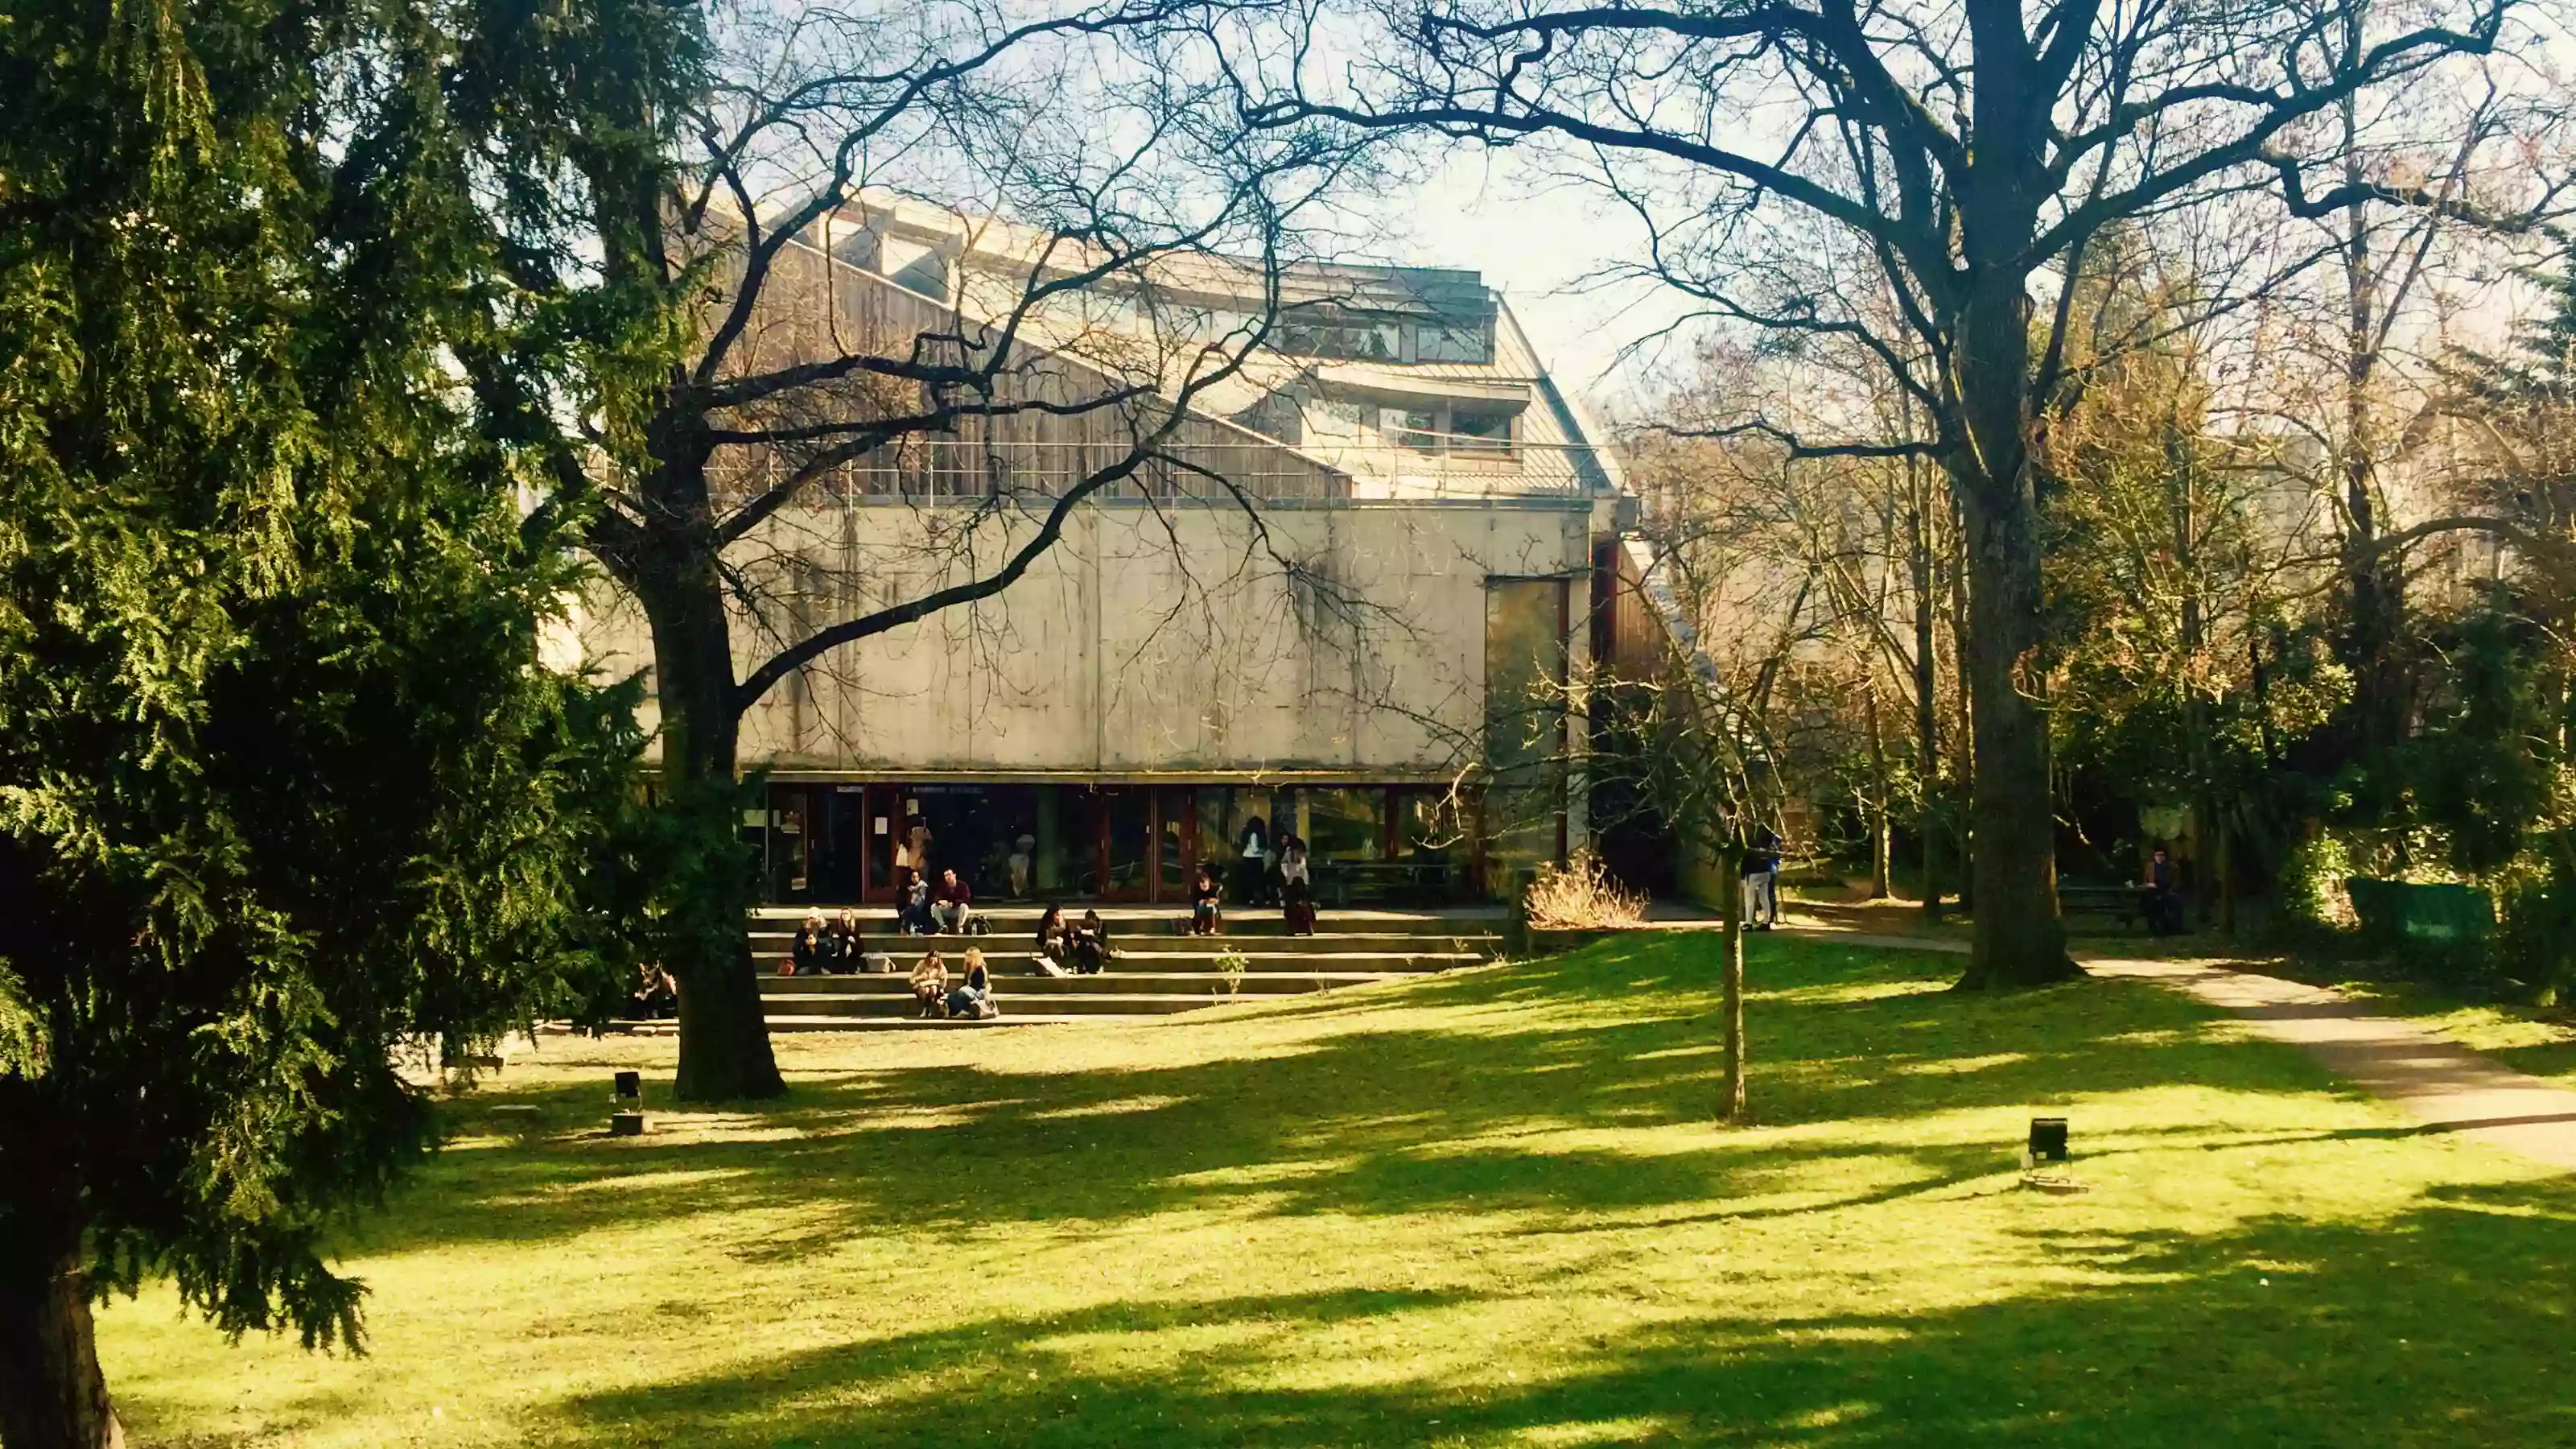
pixel 1485 1209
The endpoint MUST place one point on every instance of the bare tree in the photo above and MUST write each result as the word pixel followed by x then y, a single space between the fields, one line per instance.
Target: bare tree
pixel 1691 745
pixel 1971 155
pixel 709 211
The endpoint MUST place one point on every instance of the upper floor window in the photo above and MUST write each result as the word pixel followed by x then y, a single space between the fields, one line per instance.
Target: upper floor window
pixel 1485 434
pixel 1364 339
pixel 1452 342
pixel 1415 429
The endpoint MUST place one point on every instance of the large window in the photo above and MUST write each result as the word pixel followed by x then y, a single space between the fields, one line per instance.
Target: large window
pixel 1346 825
pixel 1526 665
pixel 1338 334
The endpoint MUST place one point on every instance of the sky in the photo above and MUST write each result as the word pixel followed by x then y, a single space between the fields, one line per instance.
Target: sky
pixel 1536 241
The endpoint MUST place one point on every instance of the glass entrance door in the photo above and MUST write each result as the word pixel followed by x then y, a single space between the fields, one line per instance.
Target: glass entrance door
pixel 1127 843
pixel 880 814
pixel 1176 839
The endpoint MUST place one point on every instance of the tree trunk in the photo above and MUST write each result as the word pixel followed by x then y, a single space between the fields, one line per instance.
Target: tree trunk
pixel 1879 844
pixel 1927 725
pixel 1963 735
pixel 2018 940
pixel 724 1042
pixel 52 1395
pixel 1734 1111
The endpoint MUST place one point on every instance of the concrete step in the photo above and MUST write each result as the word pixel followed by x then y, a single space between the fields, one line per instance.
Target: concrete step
pixel 1014 965
pixel 777 1008
pixel 1108 983
pixel 1005 950
pixel 1279 954
pixel 1125 921
pixel 770 931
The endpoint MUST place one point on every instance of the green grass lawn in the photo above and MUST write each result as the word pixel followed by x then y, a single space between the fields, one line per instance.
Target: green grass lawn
pixel 1485 1209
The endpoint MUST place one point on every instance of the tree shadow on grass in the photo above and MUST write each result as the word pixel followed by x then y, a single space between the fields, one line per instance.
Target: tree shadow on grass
pixel 2447 1324
pixel 1485 1093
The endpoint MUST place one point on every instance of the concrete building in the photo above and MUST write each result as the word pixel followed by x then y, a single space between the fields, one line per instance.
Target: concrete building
pixel 1335 604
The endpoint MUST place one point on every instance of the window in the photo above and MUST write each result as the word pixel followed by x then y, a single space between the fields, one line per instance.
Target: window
pixel 1453 342
pixel 1417 429
pixel 1366 339
pixel 1526 671
pixel 1481 434
pixel 1345 825
pixel 1275 416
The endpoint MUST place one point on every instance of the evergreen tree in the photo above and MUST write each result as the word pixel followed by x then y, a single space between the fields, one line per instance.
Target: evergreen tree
pixel 286 796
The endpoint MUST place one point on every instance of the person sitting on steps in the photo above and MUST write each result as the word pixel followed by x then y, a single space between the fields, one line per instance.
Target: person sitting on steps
pixel 1091 950
pixel 912 909
pixel 930 985
pixel 954 906
pixel 849 947
pixel 812 953
pixel 972 998
pixel 1296 888
pixel 657 996
pixel 1205 918
pixel 1054 943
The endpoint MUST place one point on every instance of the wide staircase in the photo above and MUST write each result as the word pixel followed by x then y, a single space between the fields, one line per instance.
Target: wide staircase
pixel 1159 970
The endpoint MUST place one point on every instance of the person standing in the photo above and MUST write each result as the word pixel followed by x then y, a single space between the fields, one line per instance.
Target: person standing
pixel 1762 881
pixel 1252 863
pixel 916 845
pixel 2163 902
pixel 1024 851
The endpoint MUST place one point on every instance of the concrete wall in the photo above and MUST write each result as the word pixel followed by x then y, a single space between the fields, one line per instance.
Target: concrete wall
pixel 1147 640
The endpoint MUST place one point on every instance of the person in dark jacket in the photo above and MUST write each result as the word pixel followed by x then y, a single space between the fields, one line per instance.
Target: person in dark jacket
pixel 1252 863
pixel 1205 918
pixel 1091 944
pixel 2161 900
pixel 1054 939
pixel 656 997
pixel 954 906
pixel 812 949
pixel 1762 881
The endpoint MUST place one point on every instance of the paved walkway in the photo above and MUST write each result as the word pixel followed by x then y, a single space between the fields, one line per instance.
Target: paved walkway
pixel 2442 1085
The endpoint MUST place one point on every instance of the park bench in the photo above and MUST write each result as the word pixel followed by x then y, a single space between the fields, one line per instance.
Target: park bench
pixel 2121 903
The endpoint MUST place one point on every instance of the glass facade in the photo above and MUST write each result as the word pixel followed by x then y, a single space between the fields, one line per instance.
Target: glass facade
pixel 845 843
pixel 1526 672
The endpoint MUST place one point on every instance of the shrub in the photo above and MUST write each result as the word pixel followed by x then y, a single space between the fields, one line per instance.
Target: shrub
pixel 1581 895
pixel 2312 893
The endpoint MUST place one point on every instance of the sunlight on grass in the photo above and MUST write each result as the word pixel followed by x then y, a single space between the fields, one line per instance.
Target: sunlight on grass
pixel 1484 1209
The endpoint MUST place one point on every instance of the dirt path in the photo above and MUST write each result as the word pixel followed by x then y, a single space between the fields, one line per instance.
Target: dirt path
pixel 2443 1085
